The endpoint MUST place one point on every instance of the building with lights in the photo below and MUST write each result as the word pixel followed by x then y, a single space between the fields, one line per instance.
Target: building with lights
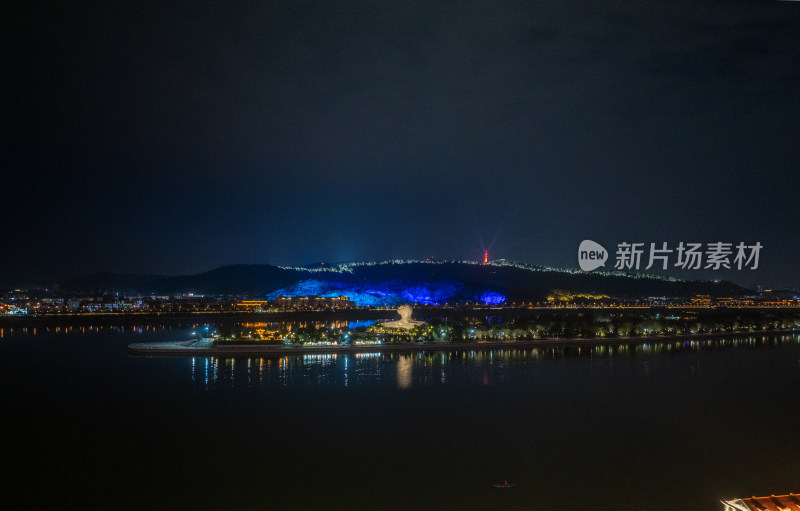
pixel 300 302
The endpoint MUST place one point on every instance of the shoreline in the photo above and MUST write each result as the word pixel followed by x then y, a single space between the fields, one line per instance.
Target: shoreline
pixel 204 348
pixel 233 317
pixel 139 318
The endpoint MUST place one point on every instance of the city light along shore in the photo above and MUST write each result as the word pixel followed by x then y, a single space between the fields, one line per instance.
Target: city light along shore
pixel 200 348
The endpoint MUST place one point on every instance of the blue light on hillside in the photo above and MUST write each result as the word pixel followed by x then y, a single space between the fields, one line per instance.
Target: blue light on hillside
pixel 362 295
pixel 491 298
pixel 433 294
pixel 390 293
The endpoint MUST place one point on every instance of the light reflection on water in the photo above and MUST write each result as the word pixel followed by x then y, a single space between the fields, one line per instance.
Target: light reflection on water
pixel 574 427
pixel 407 370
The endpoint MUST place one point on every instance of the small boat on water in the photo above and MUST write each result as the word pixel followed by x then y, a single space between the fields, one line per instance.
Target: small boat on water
pixel 504 484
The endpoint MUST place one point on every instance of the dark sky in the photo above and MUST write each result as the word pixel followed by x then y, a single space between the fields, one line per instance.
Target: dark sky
pixel 171 138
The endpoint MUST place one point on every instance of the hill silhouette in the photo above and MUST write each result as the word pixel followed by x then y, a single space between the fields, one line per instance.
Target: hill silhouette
pixel 423 282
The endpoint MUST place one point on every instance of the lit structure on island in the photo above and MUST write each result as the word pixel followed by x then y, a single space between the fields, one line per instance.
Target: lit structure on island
pixel 405 322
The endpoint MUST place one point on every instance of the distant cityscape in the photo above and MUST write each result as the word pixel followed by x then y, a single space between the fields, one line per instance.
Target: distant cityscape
pixel 428 283
pixel 44 302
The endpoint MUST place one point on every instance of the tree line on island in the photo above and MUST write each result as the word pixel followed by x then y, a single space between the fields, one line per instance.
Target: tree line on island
pixel 595 325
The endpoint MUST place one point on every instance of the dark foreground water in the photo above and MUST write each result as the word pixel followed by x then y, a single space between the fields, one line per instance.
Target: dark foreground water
pixel 663 426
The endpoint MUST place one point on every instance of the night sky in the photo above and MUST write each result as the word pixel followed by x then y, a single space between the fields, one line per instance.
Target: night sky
pixel 171 138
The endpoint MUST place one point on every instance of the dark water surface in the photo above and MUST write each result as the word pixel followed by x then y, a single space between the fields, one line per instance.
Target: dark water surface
pixel 664 426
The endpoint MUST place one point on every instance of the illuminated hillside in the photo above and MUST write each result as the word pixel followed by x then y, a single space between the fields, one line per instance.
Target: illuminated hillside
pixel 429 282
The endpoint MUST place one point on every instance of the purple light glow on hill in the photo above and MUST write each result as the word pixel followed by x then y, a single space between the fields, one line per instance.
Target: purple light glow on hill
pixel 390 293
